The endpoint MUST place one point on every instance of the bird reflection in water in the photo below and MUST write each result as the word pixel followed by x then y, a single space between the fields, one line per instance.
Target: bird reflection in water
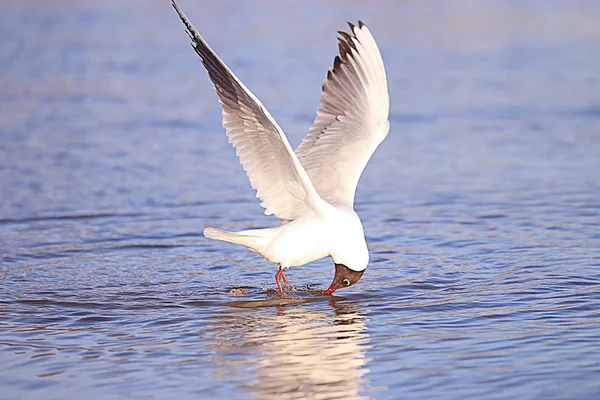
pixel 292 352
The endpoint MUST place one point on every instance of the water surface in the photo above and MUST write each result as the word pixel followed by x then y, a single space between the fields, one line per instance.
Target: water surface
pixel 481 208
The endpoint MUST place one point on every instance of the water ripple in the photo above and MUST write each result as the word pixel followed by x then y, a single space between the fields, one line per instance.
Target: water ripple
pixel 480 208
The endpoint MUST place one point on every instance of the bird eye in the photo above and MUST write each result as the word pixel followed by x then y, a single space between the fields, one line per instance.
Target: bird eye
pixel 346 282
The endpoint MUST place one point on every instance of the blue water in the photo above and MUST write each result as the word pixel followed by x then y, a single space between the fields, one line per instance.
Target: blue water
pixel 481 209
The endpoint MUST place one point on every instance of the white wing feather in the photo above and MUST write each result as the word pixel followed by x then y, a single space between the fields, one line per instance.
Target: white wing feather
pixel 274 171
pixel 351 121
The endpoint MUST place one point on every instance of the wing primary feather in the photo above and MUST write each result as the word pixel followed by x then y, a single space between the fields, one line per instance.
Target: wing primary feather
pixel 343 48
pixel 337 62
pixel 348 39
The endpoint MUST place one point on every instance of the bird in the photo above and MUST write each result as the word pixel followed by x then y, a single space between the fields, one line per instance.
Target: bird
pixel 311 190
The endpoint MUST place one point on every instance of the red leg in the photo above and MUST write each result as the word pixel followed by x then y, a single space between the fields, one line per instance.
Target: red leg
pixel 284 277
pixel 277 276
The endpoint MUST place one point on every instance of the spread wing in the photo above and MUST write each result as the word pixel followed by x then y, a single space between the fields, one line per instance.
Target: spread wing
pixel 351 121
pixel 265 153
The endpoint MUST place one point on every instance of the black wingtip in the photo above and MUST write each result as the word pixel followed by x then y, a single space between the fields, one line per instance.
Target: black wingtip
pixel 175 6
pixel 182 17
pixel 345 36
pixel 360 23
pixel 352 26
pixel 337 61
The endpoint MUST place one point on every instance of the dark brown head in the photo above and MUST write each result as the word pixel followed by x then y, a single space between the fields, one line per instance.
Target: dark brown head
pixel 344 277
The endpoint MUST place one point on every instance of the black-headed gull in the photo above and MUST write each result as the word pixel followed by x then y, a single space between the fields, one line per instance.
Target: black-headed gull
pixel 311 190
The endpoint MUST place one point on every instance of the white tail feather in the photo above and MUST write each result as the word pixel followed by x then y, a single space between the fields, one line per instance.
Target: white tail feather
pixel 252 242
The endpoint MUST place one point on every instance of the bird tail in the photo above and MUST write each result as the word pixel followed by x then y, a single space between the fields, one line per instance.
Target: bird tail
pixel 244 238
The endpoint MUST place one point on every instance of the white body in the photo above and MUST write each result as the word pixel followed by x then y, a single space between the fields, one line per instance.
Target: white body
pixel 338 233
pixel 312 189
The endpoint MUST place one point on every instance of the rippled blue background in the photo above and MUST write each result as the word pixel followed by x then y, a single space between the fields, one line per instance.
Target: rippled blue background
pixel 481 208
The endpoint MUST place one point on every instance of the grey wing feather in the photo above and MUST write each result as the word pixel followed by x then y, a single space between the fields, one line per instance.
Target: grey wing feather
pixel 351 121
pixel 265 153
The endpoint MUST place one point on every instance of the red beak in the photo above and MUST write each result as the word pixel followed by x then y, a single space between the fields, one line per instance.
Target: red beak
pixel 331 289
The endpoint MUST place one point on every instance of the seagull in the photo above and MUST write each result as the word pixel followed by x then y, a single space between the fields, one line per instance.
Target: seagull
pixel 311 191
